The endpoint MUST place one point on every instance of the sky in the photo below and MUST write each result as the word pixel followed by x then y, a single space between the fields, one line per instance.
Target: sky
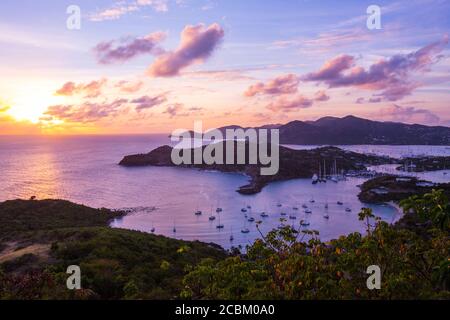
pixel 153 66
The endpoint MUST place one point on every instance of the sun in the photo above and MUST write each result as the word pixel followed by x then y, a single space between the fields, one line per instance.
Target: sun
pixel 32 105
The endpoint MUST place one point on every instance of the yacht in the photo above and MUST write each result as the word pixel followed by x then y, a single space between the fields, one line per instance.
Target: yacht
pixel 292 217
pixel 348 209
pixel 251 219
pixel 283 213
pixel 198 213
pixel 212 218
pixel 326 216
pixel 308 211
pixel 304 206
pixel 340 203
pixel 305 223
pixel 219 210
pixel 245 230
pixel 264 215
pixel 243 210
pixel 295 208
pixel 315 178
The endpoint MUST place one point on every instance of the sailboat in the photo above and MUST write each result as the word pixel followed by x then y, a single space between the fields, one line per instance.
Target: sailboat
pixel 326 216
pixel 231 236
pixel 219 225
pixel 174 227
pixel 211 217
pixel 219 209
pixel 152 230
pixel 334 174
pixel 315 179
pixel 324 173
pixel 245 229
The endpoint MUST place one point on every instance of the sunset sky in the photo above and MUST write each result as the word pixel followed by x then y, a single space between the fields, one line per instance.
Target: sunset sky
pixel 152 66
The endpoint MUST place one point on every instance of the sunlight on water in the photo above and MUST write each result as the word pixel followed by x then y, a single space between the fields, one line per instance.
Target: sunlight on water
pixel 85 170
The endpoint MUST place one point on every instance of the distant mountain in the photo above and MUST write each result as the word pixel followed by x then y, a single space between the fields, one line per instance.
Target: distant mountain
pixel 353 130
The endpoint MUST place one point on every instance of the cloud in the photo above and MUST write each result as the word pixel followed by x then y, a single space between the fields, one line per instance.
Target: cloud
pixel 370 100
pixel 91 90
pixel 86 112
pixel 221 75
pixel 332 69
pixel 197 45
pixel 147 102
pixel 391 76
pixel 287 104
pixel 408 114
pixel 129 87
pixel 173 110
pixel 121 8
pixel 125 49
pixel 321 95
pixel 284 84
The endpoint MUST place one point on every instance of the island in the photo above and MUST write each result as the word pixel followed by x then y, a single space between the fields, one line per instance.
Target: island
pixel 293 164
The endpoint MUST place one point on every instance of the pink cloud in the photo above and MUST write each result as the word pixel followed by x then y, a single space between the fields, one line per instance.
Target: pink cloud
pixel 147 102
pixel 389 75
pixel 331 69
pixel 129 87
pixel 197 45
pixel 108 52
pixel 173 110
pixel 286 104
pixel 86 112
pixel 91 90
pixel 321 95
pixel 281 85
pixel 408 115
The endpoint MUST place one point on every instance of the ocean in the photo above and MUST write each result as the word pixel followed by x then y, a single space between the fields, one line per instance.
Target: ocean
pixel 85 170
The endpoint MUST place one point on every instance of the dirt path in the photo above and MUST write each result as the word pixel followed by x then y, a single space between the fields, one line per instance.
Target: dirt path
pixel 10 253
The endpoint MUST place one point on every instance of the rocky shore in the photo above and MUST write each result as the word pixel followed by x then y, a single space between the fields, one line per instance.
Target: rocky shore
pixel 396 188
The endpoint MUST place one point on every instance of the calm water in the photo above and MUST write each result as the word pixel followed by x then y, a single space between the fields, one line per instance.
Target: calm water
pixel 85 170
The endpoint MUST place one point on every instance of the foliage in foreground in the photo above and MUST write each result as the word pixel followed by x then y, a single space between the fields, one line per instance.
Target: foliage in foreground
pixel 285 264
pixel 115 263
pixel 414 262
